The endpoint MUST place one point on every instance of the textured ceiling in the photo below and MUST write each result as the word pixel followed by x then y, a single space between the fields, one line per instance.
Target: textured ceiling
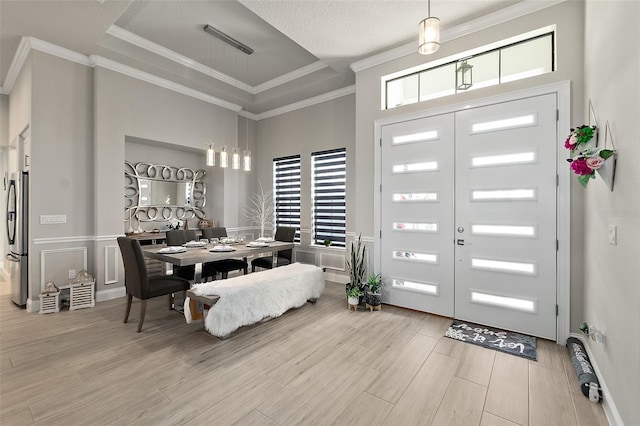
pixel 287 35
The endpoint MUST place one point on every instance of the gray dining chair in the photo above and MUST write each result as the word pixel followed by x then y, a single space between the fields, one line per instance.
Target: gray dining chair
pixel 139 285
pixel 178 237
pixel 284 257
pixel 227 265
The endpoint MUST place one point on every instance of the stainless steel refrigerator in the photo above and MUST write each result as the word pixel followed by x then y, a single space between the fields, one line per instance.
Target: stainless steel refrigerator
pixel 18 236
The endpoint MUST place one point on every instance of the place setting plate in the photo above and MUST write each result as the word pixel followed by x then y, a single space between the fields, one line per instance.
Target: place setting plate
pixel 257 244
pixel 195 244
pixel 172 250
pixel 222 248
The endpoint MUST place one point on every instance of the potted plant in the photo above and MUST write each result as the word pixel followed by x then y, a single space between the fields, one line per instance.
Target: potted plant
pixel 373 292
pixel 353 297
pixel 356 264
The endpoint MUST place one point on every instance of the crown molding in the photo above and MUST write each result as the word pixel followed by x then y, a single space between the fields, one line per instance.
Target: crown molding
pixel 60 52
pixel 176 57
pixel 508 13
pixel 16 65
pixel 28 43
pixel 308 102
pixel 249 115
pixel 290 76
pixel 171 55
pixel 99 61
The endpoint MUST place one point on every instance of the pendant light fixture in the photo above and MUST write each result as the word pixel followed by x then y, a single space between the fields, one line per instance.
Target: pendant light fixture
pixel 235 159
pixel 224 157
pixel 429 34
pixel 246 163
pixel 235 152
pixel 211 155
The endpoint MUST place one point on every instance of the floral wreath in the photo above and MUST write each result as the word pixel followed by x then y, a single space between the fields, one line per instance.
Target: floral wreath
pixel 585 160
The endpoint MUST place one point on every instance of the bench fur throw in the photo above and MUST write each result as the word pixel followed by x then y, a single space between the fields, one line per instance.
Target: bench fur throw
pixel 248 299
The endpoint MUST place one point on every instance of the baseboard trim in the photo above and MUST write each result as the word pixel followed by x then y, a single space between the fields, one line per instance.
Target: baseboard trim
pixel 609 406
pixel 337 278
pixel 33 306
pixel 112 293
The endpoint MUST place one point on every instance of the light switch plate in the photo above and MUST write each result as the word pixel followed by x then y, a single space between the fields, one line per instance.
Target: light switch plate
pixel 53 219
pixel 613 235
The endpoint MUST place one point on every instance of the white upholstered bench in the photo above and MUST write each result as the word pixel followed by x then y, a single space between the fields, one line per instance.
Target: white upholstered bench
pixel 248 299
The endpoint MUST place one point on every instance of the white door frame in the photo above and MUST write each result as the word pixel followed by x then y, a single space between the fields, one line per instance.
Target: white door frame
pixel 563 209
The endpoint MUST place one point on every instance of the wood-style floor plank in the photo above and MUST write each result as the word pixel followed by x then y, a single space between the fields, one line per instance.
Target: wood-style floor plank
pixel 549 398
pixel 319 364
pixel 391 384
pixel 419 403
pixel 508 395
pixel 462 403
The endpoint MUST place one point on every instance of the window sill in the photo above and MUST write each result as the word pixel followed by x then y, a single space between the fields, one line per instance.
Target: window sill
pixel 325 248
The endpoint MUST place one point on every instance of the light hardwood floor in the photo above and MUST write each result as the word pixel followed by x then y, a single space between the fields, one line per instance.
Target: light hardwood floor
pixel 319 364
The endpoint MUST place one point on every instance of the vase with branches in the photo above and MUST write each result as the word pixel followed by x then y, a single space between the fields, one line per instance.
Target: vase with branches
pixel 260 210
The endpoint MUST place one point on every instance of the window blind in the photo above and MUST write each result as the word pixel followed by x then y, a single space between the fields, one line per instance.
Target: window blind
pixel 286 184
pixel 329 191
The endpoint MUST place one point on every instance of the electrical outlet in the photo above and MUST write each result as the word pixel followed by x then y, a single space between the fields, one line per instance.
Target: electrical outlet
pixel 53 219
pixel 72 274
pixel 597 334
pixel 613 235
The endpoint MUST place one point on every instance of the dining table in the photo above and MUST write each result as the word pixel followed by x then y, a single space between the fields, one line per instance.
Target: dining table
pixel 209 253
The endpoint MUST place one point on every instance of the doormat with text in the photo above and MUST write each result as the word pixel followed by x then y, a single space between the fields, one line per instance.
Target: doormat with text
pixel 494 338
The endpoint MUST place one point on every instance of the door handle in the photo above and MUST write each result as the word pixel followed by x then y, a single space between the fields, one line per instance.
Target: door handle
pixel 460 242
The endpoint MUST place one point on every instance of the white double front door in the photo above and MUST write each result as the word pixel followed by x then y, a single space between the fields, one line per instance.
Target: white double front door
pixel 468 214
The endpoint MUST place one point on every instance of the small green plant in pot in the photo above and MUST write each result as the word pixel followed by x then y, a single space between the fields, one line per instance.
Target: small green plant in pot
pixel 357 266
pixel 353 297
pixel 373 291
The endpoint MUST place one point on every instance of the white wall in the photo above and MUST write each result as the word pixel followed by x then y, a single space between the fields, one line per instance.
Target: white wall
pixel 612 273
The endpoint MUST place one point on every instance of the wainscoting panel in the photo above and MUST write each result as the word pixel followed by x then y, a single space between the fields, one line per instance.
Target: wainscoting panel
pixel 56 263
pixel 332 261
pixel 302 256
pixel 111 264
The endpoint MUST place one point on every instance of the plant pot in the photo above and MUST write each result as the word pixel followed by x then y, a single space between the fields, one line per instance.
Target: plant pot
pixel 353 300
pixel 372 299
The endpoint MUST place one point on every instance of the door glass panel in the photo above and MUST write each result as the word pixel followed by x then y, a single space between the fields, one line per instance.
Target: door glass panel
pixel 414 256
pixel 504 266
pixel 503 302
pixel 504 159
pixel 503 194
pixel 507 123
pixel 422 227
pixel 415 196
pixel 415 137
pixel 505 230
pixel 429 288
pixel 415 167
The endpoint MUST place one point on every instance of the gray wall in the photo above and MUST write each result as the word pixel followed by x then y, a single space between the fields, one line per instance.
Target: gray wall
pixel 611 280
pixel 315 128
pixel 61 179
pixel 80 118
pixel 125 107
pixel 4 164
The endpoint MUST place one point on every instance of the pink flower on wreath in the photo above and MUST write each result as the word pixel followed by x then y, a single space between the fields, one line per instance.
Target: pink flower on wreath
pixel 580 167
pixel 594 163
pixel 570 143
